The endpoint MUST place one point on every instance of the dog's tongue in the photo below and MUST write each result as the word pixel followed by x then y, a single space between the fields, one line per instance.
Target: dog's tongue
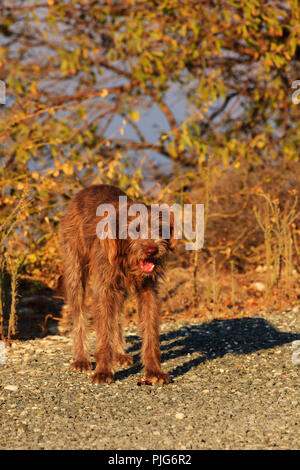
pixel 146 266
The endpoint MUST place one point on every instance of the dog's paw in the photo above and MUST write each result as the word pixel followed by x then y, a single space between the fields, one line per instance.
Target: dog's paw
pixel 123 360
pixel 102 378
pixel 81 364
pixel 158 378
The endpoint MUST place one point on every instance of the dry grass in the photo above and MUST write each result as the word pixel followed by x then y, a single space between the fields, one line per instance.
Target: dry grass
pixel 10 264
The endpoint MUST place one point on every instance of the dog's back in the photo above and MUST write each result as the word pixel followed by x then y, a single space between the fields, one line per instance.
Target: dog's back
pixel 78 226
pixel 88 199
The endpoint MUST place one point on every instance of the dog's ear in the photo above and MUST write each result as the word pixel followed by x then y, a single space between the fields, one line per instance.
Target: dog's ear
pixel 173 241
pixel 110 247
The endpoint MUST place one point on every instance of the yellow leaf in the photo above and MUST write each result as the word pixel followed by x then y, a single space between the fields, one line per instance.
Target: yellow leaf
pixel 33 89
pixel 67 169
pixel 103 93
pixel 32 258
pixel 135 115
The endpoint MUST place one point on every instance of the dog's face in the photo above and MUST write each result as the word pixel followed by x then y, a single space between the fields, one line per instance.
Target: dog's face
pixel 143 250
pixel 147 257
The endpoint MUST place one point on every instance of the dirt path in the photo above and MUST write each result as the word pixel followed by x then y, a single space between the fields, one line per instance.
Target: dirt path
pixel 234 387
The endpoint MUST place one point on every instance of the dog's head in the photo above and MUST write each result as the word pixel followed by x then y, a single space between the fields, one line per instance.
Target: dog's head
pixel 141 243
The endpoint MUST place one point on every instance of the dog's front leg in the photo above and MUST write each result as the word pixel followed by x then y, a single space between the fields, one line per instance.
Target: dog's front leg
pixel 149 318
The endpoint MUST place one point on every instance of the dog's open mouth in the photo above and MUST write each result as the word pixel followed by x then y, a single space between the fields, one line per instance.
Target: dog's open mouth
pixel 146 266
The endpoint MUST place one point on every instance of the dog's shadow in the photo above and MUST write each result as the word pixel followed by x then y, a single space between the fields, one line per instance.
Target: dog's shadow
pixel 212 340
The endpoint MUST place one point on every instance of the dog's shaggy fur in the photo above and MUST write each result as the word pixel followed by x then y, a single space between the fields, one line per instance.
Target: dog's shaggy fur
pixel 114 269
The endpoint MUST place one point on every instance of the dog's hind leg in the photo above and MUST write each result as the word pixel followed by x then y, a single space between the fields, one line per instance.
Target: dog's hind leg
pixel 75 276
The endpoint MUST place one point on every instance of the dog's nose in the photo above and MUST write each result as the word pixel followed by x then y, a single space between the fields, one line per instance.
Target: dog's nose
pixel 151 250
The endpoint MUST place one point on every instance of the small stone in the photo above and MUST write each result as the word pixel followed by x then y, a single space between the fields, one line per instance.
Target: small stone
pixel 11 388
pixel 193 377
pixel 179 416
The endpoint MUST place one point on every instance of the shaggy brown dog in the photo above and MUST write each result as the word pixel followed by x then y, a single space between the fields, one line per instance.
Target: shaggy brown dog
pixel 114 268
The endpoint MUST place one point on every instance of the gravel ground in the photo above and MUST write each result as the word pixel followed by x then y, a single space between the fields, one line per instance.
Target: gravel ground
pixel 234 387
